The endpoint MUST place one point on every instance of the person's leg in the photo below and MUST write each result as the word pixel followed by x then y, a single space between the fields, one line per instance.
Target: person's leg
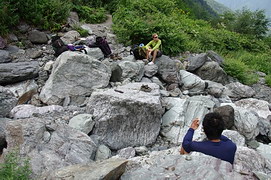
pixel 148 52
pixel 154 54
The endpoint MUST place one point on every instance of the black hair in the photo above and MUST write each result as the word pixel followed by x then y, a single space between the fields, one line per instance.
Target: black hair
pixel 213 125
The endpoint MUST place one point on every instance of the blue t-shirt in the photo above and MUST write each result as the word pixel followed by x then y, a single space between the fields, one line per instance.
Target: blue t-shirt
pixel 224 149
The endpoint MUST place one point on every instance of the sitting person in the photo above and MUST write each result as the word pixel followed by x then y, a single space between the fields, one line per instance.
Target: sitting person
pixel 217 145
pixel 152 48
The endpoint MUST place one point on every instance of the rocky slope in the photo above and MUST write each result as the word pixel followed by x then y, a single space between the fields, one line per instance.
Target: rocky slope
pixel 80 116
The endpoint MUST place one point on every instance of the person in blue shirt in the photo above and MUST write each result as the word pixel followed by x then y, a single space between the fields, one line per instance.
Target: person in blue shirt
pixel 217 145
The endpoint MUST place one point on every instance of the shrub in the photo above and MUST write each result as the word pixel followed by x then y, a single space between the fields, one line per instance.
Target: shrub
pixel 81 31
pixel 239 70
pixel 8 17
pixel 268 80
pixel 91 15
pixel 15 168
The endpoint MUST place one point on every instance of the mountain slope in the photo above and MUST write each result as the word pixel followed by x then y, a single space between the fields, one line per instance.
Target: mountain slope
pixel 250 4
pixel 217 7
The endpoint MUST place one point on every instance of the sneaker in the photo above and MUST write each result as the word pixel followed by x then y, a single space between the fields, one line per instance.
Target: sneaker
pixel 150 63
pixel 145 88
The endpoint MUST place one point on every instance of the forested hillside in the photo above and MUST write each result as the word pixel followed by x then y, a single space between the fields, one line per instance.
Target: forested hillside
pixel 183 25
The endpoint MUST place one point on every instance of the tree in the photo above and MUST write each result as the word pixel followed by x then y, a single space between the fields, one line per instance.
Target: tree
pixel 244 21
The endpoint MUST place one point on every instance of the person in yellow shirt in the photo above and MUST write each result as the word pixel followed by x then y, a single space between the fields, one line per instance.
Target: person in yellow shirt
pixel 152 48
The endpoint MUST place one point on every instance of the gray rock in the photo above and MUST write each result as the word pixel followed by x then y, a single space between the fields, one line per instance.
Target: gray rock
pixel 227 114
pixel 168 69
pixel 262 92
pixel 177 120
pixel 82 122
pixel 170 165
pixel 70 37
pixel 7 101
pixel 246 122
pixel 103 152
pixel 126 116
pixel 261 107
pixel 192 82
pixel 95 53
pixel 265 151
pixel 213 72
pixel 248 160
pixel 109 169
pixel 17 72
pixel 116 72
pixel 215 89
pixel 215 57
pixel 237 138
pixel 126 153
pixel 4 56
pixel 195 62
pixel 27 110
pixel 37 37
pixel 23 90
pixel 73 19
pixel 66 146
pixel 75 75
pixel 237 91
pixel 3 143
pixel 132 70
pixel 150 71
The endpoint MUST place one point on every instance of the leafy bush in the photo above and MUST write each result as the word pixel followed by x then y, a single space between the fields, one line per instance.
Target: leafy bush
pixel 8 17
pixel 240 70
pixel 91 15
pixel 81 31
pixel 268 80
pixel 13 168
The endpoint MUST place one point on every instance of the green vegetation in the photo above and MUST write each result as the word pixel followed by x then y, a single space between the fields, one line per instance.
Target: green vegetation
pixel 47 14
pixel 135 21
pixel 14 168
pixel 183 25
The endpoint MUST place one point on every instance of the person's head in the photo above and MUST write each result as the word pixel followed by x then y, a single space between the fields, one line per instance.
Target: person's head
pixel 213 125
pixel 155 36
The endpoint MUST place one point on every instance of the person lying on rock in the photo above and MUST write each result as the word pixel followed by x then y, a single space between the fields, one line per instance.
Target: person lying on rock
pixel 152 48
pixel 217 145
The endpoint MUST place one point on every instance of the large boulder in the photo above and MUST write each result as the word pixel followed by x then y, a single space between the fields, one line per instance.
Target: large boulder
pixel 192 83
pixel 27 110
pixel 195 62
pixel 126 116
pixel 262 92
pixel 132 70
pixel 7 101
pixel 37 37
pixel 23 90
pixel 168 69
pixel 70 37
pixel 246 122
pixel 249 161
pixel 74 75
pixel 177 120
pixel 4 56
pixel 261 107
pixel 169 164
pixel 109 169
pixel 237 91
pixel 16 72
pixel 49 145
pixel 213 72
pixel 227 114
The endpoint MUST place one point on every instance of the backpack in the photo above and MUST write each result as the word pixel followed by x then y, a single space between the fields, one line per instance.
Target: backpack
pixel 138 52
pixel 103 45
pixel 58 45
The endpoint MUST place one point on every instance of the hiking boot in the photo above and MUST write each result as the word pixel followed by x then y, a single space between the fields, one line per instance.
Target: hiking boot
pixel 145 88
